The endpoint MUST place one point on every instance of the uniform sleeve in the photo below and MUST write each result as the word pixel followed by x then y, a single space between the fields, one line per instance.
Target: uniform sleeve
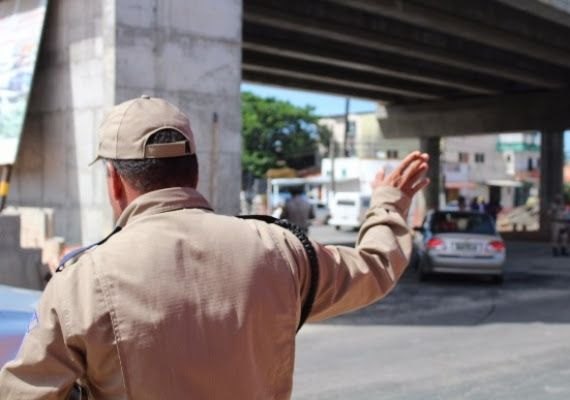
pixel 45 367
pixel 351 278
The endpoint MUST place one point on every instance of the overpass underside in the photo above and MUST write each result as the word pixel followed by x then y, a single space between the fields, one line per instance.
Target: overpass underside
pixel 441 67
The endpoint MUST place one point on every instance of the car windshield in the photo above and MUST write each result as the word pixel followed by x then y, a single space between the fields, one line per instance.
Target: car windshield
pixel 457 222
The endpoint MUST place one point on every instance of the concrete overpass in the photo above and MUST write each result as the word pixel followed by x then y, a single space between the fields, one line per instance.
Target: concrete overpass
pixel 441 67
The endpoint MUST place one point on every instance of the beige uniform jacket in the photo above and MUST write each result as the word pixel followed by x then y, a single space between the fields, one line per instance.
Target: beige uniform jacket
pixel 183 303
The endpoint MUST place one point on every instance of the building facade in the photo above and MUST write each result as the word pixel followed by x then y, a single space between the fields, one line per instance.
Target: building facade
pixel 365 139
pixel 503 167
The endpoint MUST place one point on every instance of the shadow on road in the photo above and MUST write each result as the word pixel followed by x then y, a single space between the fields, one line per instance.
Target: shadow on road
pixel 536 289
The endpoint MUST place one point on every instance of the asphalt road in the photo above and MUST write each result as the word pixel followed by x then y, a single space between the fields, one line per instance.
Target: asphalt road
pixel 448 338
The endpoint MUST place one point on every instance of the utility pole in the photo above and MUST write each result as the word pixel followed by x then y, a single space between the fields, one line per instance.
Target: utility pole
pixel 345 151
pixel 332 155
pixel 214 156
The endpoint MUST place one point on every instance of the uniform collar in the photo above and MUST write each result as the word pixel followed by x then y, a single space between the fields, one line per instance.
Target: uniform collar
pixel 163 200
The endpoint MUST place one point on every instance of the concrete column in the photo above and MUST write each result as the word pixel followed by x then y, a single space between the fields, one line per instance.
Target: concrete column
pixel 18 266
pixel 551 173
pixel 431 146
pixel 66 106
pixel 189 52
pixel 96 54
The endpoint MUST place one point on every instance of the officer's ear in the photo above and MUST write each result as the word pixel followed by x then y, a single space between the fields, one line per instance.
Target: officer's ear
pixel 114 184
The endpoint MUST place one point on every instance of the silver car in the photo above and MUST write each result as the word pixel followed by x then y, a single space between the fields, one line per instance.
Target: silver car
pixel 459 242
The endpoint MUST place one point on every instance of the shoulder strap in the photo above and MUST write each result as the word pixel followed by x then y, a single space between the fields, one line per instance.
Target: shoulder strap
pixel 77 252
pixel 311 255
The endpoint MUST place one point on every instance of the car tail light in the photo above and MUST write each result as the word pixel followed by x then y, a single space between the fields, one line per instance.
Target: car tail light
pixel 497 245
pixel 435 243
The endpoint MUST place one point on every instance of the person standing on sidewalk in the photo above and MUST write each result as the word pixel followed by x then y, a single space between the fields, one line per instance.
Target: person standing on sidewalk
pixel 558 227
pixel 180 302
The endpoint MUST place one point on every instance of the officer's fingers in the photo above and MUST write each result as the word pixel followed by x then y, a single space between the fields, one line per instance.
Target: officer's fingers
pixel 379 178
pixel 409 173
pixel 414 174
pixel 419 186
pixel 411 191
pixel 411 169
pixel 406 162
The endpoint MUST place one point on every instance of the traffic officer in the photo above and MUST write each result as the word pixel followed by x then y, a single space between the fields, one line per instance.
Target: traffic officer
pixel 180 302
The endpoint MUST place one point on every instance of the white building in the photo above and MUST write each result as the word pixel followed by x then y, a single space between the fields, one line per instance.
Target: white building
pixel 365 138
pixel 500 167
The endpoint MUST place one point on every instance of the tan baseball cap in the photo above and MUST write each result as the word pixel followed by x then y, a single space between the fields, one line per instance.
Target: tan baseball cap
pixel 125 130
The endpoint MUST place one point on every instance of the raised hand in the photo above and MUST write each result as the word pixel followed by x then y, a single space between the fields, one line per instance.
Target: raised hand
pixel 409 176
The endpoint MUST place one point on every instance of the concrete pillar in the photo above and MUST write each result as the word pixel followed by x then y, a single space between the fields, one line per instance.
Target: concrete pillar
pixel 189 52
pixel 67 102
pixel 431 146
pixel 551 173
pixel 18 266
pixel 96 54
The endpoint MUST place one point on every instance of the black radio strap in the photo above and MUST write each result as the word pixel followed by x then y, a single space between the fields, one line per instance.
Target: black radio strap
pixel 311 255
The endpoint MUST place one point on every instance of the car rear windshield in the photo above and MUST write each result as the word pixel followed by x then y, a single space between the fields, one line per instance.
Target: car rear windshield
pixel 454 222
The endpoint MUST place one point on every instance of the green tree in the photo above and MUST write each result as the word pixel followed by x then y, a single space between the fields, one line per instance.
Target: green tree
pixel 276 130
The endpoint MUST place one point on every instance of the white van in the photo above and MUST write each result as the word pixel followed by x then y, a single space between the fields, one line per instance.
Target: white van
pixel 348 209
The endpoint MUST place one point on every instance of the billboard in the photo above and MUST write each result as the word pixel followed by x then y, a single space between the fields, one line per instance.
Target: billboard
pixel 21 25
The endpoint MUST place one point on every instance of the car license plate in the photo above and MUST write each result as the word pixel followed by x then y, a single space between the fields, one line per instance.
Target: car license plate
pixel 466 246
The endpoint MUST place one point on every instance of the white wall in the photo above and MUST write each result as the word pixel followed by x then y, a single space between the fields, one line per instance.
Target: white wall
pixel 96 54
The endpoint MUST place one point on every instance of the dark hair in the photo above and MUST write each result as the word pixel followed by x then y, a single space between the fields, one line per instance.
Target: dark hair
pixel 150 174
pixel 297 190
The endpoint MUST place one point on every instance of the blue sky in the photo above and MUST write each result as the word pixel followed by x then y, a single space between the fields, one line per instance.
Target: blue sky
pixel 326 104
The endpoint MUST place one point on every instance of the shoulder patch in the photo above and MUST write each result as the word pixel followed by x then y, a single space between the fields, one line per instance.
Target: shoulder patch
pixel 77 252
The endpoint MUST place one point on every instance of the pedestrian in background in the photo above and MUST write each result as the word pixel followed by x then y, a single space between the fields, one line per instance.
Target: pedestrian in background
pixel 461 203
pixel 558 227
pixel 180 302
pixel 474 204
pixel 493 209
pixel 298 210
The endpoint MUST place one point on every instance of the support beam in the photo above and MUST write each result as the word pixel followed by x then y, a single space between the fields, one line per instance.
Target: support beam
pixel 327 73
pixel 364 60
pixel 508 113
pixel 429 18
pixel 554 11
pixel 352 34
pixel 432 147
pixel 521 17
pixel 275 79
pixel 551 173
